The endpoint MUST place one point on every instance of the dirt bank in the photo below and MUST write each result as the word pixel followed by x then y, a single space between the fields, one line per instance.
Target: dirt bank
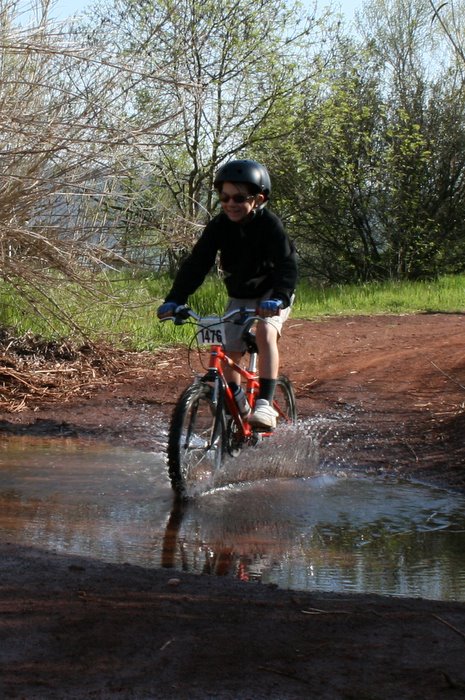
pixel 392 390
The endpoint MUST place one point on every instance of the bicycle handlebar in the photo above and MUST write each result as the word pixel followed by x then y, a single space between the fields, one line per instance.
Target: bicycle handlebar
pixel 183 312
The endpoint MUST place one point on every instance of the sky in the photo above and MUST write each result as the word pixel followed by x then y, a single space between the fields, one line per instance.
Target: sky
pixel 67 8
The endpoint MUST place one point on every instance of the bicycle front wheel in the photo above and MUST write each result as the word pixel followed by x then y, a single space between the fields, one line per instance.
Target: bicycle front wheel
pixel 284 401
pixel 196 440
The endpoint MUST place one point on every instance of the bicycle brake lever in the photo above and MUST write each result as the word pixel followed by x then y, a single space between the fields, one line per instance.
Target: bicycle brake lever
pixel 181 314
pixel 243 316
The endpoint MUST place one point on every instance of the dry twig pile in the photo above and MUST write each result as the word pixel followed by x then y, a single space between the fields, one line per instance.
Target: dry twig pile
pixel 34 371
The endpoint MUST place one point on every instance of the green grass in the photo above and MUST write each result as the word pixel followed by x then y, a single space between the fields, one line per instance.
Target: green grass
pixel 122 309
pixel 447 294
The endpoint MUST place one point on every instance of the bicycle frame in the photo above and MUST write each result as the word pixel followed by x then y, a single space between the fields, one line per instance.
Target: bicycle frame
pixel 219 358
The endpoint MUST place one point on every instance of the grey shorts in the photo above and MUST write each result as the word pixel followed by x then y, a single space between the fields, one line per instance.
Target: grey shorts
pixel 233 331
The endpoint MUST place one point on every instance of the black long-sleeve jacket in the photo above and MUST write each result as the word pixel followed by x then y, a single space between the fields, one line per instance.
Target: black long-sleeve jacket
pixel 255 257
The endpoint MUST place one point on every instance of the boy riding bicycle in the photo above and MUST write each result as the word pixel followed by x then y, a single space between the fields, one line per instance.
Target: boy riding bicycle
pixel 259 264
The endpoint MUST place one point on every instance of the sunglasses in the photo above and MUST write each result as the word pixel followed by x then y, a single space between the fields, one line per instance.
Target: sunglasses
pixel 236 198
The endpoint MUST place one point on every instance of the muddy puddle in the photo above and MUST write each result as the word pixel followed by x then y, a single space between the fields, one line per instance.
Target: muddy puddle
pixel 276 519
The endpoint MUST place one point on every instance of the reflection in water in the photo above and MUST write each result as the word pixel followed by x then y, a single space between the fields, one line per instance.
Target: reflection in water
pixel 326 533
pixel 302 532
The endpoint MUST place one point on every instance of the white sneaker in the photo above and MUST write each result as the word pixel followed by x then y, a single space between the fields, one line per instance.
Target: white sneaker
pixel 264 415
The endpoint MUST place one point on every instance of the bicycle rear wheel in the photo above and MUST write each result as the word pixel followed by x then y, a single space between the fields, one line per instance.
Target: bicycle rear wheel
pixel 284 401
pixel 196 439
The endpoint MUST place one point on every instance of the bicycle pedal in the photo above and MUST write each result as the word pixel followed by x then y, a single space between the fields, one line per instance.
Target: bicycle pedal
pixel 263 432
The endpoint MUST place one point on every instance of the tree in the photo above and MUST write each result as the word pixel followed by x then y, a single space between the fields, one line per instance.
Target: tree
pixel 373 170
pixel 63 147
pixel 420 92
pixel 233 68
pixel 327 188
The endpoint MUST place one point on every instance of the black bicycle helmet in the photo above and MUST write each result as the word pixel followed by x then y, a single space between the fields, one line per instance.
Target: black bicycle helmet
pixel 247 171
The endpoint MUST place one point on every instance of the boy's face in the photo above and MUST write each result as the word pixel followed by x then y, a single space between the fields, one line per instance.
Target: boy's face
pixel 238 211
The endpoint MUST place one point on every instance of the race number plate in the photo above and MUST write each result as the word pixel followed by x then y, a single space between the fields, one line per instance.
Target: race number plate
pixel 211 333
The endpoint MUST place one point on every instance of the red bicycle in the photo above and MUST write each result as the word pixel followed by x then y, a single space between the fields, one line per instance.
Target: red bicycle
pixel 206 424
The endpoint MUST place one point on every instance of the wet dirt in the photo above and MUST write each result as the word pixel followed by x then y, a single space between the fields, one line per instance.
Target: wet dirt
pixel 391 391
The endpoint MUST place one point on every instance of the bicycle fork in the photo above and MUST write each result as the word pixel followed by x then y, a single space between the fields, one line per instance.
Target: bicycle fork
pixel 213 379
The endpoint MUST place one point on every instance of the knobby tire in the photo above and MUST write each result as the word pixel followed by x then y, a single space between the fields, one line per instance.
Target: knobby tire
pixel 284 401
pixel 196 439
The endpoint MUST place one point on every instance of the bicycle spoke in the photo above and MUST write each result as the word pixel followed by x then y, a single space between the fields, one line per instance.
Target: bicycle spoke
pixel 284 401
pixel 195 442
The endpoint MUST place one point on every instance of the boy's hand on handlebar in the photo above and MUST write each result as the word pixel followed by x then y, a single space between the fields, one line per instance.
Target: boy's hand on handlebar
pixel 269 307
pixel 167 309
